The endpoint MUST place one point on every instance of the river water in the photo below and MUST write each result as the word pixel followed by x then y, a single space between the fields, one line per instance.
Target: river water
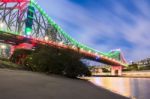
pixel 137 88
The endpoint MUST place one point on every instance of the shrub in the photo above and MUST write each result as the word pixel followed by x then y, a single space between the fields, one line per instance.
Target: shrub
pixel 19 55
pixel 56 61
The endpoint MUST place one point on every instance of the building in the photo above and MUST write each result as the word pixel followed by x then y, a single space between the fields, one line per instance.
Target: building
pixel 99 70
pixel 143 63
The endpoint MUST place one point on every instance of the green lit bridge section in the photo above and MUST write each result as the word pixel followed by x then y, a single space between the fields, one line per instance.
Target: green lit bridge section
pixel 26 18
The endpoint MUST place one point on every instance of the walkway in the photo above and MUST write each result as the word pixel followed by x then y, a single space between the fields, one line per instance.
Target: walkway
pixel 15 84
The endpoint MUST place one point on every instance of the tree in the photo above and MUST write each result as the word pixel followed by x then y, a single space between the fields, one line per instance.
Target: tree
pixel 56 61
pixel 19 55
pixel 133 67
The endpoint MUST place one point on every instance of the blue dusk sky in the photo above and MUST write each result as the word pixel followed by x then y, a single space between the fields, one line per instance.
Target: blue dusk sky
pixel 105 24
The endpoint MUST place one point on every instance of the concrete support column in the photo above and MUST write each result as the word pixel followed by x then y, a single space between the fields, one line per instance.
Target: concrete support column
pixel 21 46
pixel 24 46
pixel 112 71
pixel 12 49
pixel 116 70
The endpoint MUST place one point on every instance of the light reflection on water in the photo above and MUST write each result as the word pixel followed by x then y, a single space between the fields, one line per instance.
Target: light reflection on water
pixel 130 87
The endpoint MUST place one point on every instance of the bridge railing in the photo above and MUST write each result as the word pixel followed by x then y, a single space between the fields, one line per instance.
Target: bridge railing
pixel 73 42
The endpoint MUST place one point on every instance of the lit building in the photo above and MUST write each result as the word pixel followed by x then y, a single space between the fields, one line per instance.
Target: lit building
pixel 144 62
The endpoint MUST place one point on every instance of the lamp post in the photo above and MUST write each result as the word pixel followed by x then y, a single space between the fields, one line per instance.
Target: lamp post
pixel 3 48
pixel 46 38
pixel 1 25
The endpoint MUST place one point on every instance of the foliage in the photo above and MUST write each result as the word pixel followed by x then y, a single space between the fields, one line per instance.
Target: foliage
pixel 144 67
pixel 133 67
pixel 105 70
pixel 56 61
pixel 8 64
pixel 4 59
pixel 136 67
pixel 19 55
pixel 126 69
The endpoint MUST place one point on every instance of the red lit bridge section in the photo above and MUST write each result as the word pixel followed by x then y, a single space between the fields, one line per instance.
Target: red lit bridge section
pixel 8 1
pixel 25 22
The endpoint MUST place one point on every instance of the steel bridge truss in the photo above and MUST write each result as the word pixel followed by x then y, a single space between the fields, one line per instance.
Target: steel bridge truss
pixel 13 18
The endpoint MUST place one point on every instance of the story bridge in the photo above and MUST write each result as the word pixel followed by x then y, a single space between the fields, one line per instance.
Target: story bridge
pixel 24 24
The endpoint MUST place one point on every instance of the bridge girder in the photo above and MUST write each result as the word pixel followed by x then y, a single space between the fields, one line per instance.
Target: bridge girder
pixel 13 18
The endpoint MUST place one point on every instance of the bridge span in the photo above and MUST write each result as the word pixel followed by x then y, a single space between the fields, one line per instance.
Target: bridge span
pixel 25 22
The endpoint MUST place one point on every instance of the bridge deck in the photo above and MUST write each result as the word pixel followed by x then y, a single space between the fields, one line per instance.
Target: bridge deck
pixel 13 39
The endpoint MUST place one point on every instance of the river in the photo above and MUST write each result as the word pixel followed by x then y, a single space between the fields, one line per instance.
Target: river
pixel 137 88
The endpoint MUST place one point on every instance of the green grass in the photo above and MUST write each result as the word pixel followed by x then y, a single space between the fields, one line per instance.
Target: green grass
pixel 4 63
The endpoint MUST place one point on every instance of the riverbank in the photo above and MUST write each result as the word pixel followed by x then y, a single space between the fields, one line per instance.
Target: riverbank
pixel 126 86
pixel 129 74
pixel 16 84
pixel 137 74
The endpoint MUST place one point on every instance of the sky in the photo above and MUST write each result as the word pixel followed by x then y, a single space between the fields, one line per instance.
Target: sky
pixel 105 24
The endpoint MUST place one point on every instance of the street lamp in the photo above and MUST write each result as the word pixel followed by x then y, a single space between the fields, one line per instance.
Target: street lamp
pixel 46 38
pixel 3 46
pixel 61 43
pixel 1 25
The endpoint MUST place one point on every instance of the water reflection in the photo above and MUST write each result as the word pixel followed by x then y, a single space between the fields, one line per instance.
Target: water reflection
pixel 131 87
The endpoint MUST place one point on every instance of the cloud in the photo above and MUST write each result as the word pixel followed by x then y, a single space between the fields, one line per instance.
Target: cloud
pixel 102 28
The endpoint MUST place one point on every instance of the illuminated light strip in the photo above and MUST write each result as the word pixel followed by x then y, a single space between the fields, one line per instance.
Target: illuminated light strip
pixel 84 47
pixel 61 31
pixel 64 46
pixel 55 25
pixel 7 1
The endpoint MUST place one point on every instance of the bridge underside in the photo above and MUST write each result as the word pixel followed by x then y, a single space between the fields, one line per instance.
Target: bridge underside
pixel 15 40
pixel 24 21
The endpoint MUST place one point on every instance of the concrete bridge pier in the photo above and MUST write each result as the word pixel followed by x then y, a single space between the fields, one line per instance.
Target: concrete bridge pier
pixel 21 46
pixel 23 55
pixel 116 70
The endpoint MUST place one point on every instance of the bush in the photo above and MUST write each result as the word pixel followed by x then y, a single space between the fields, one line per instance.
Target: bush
pixel 4 59
pixel 19 55
pixel 105 70
pixel 144 67
pixel 133 67
pixel 56 61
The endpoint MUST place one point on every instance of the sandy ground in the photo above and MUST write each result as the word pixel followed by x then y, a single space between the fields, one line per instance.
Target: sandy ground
pixel 15 84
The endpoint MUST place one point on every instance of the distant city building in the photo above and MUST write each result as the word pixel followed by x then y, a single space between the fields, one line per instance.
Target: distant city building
pixel 144 62
pixel 96 70
pixel 4 50
pixel 99 70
